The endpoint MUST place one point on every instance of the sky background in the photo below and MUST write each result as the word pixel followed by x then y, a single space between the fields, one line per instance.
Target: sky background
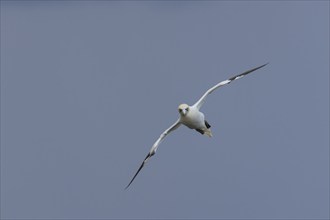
pixel 88 86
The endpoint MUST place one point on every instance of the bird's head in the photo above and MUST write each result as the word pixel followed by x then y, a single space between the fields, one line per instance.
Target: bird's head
pixel 183 109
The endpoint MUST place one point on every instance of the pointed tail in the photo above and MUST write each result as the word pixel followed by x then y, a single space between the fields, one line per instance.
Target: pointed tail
pixel 208 132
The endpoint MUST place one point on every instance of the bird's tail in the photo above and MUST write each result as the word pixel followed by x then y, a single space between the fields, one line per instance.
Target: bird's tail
pixel 208 132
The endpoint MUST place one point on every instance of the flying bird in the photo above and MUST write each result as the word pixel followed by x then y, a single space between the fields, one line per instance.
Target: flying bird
pixel 191 117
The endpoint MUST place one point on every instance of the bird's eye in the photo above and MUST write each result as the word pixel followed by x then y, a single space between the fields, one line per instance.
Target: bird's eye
pixel 187 109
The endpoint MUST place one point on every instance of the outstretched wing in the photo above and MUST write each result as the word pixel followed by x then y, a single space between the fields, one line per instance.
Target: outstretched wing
pixel 200 102
pixel 155 147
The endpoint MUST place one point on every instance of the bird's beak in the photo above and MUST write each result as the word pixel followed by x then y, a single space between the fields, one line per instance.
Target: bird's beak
pixel 184 112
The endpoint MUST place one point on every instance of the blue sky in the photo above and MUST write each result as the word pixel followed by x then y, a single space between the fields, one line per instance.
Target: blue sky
pixel 88 86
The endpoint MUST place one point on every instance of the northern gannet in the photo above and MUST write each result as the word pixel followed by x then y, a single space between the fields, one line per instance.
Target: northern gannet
pixel 191 117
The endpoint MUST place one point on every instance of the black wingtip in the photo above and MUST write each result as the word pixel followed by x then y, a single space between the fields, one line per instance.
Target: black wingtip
pixel 264 65
pixel 127 186
pixel 144 161
pixel 254 69
pixel 246 72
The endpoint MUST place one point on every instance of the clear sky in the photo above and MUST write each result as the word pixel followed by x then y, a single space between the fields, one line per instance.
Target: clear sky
pixel 88 86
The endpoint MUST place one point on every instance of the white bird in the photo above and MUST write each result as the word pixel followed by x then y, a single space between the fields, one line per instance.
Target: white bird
pixel 191 117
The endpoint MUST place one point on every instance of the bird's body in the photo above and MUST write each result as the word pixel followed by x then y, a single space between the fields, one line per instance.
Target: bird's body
pixel 192 117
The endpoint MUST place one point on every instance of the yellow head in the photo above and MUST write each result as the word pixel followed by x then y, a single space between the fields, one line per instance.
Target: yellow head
pixel 183 109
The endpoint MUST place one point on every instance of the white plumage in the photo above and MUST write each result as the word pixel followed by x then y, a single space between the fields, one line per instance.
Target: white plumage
pixel 191 117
